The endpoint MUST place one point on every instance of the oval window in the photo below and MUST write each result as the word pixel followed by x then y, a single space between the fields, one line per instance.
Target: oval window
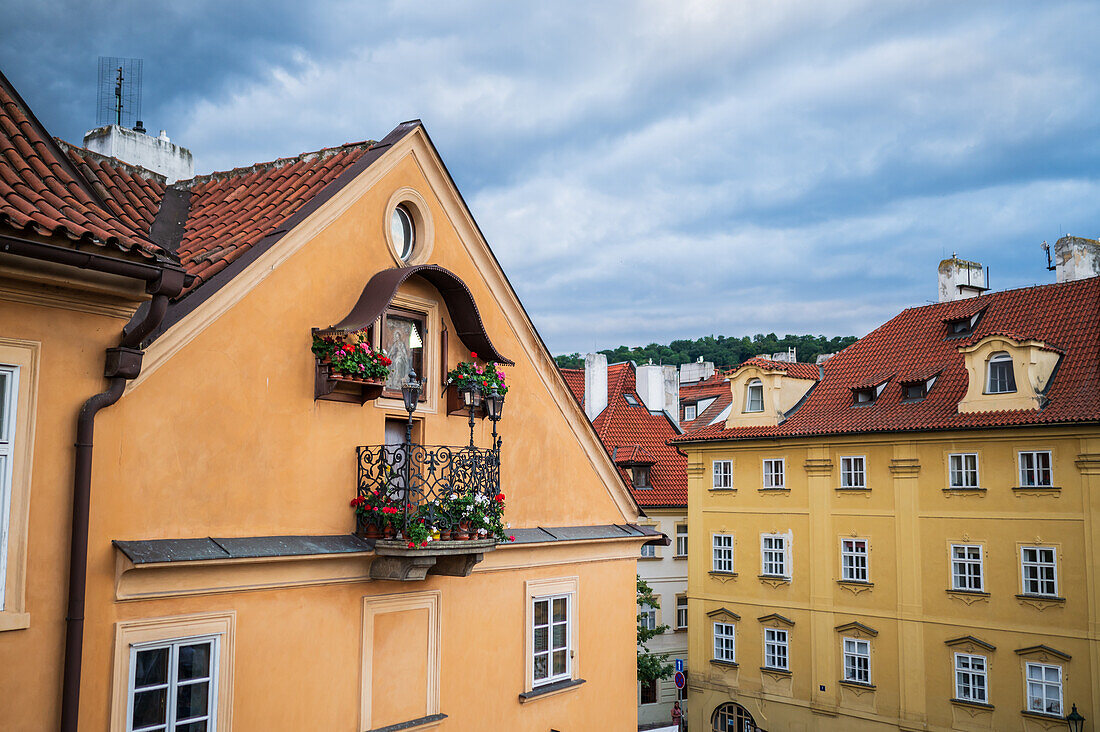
pixel 401 229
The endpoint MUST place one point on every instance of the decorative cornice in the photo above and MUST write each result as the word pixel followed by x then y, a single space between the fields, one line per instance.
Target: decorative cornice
pixel 905 467
pixel 1040 649
pixel 1088 463
pixel 723 612
pixel 963 640
pixel 856 627
pixel 776 618
pixel 818 467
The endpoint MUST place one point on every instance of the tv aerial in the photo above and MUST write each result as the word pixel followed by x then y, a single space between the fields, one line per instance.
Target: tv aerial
pixel 118 100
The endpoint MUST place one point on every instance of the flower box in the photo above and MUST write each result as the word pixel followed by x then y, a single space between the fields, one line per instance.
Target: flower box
pixel 456 407
pixel 341 388
pixel 395 560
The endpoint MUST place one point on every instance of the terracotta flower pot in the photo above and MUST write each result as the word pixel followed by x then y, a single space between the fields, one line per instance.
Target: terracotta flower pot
pixel 372 532
pixel 445 535
pixel 389 532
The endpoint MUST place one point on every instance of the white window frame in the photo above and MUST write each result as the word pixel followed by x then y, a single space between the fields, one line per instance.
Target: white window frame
pixel 10 398
pixel 172 684
pixel 962 470
pixel 681 612
pixel 721 556
pixel 971 678
pixel 754 384
pixel 777 654
pixel 999 358
pixel 964 558
pixel 649 551
pixel 777 556
pixel 1045 686
pixel 681 540
pixel 855 650
pixel 551 677
pixel 725 642
pixel 649 617
pixel 690 412
pixel 1031 472
pixel 853 471
pixel 775 473
pixel 722 474
pixel 851 560
pixel 1037 565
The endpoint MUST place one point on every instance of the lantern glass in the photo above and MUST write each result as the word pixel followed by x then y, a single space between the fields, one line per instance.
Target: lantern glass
pixel 467 393
pixel 494 404
pixel 410 391
pixel 1075 721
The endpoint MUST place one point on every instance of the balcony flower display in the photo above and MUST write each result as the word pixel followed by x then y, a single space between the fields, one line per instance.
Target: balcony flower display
pixel 468 374
pixel 378 515
pixel 351 355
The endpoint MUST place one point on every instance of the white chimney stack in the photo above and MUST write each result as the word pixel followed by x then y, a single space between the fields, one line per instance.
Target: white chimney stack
pixel 672 393
pixel 650 384
pixel 158 154
pixel 1076 258
pixel 960 279
pixel 595 384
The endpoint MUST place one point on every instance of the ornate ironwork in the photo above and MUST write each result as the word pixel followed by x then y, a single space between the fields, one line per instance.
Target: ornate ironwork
pixel 433 473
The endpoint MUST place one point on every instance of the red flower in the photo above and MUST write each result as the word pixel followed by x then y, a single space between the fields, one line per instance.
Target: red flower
pixel 473 355
pixel 499 497
pixel 511 538
pixel 424 543
pixel 412 545
pixel 485 383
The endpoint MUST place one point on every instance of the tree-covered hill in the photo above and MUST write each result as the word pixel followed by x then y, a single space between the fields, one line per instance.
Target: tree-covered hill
pixel 722 350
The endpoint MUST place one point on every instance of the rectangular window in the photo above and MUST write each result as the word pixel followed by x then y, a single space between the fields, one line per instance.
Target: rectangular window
pixel 1035 469
pixel 681 612
pixel 9 396
pixel 853 560
pixel 963 468
pixel 723 474
pixel 689 412
pixel 647 693
pixel 773 555
pixel 775 649
pixel 1044 688
pixel 640 476
pixel 966 567
pixel 1039 568
pixel 722 557
pixel 681 540
pixel 173 686
pixel 649 550
pixel 853 472
pixel 724 648
pixel 857 661
pixel 774 474
pixel 403 337
pixel 647 617
pixel 970 679
pixel 551 639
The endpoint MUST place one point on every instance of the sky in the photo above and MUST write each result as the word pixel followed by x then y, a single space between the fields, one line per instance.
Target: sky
pixel 647 171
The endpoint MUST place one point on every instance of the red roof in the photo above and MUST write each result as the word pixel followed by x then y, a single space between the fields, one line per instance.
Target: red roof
pixel 44 192
pixel 794 369
pixel 1065 316
pixel 640 432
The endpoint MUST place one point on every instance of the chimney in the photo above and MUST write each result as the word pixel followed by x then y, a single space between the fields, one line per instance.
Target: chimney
pixel 960 279
pixel 650 385
pixel 1076 258
pixel 672 393
pixel 158 154
pixel 699 370
pixel 595 384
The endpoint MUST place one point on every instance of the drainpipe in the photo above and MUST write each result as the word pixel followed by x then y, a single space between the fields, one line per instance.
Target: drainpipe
pixel 123 363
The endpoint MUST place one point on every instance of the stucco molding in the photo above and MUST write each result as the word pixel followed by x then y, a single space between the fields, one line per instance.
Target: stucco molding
pixel 818 467
pixel 905 467
pixel 969 644
pixel 1088 463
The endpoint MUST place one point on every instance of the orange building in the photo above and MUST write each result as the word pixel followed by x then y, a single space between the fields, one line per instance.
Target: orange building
pixel 210 578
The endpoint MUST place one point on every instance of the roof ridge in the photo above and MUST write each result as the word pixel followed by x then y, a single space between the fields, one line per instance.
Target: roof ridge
pixel 322 154
pixel 131 168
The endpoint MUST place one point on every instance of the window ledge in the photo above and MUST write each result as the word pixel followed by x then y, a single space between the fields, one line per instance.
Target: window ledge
pixel 728 664
pixel 649 559
pixel 1045 600
pixel 857 684
pixel 679 556
pixel 722 490
pixel 775 580
pixel 969 593
pixel 14 621
pixel 773 490
pixel 422 723
pixel 965 491
pixel 722 575
pixel 856 583
pixel 776 671
pixel 549 690
pixel 680 630
pixel 844 489
pixel 1040 489
pixel 1042 715
pixel 972 704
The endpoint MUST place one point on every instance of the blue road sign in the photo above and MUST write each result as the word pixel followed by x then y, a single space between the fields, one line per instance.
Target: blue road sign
pixel 680 680
pixel 679 664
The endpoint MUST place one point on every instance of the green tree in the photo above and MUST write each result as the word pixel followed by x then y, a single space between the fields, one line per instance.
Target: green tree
pixel 651 666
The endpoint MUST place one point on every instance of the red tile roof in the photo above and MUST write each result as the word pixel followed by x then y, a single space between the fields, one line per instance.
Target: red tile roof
pixel 1066 316
pixel 711 412
pixel 797 370
pixel 43 192
pixel 621 425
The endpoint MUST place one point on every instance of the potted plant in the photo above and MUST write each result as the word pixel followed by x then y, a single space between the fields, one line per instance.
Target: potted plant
pixel 470 376
pixel 348 367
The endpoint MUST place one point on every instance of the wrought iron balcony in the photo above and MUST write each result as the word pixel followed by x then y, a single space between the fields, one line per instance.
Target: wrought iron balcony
pixel 434 488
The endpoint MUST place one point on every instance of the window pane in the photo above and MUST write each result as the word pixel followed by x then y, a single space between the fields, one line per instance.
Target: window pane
pixel 151 667
pixel 541 638
pixel 559 610
pixel 403 348
pixel 559 635
pixel 194 662
pixel 150 707
pixel 192 727
pixel 191 700
pixel 5 387
pixel 559 662
pixel 542 666
pixel 541 612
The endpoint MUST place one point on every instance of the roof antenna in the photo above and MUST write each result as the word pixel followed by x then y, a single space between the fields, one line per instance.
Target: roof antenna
pixel 1046 248
pixel 119 98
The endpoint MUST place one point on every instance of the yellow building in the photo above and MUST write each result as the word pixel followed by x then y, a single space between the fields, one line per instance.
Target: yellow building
pixel 906 537
pixel 216 582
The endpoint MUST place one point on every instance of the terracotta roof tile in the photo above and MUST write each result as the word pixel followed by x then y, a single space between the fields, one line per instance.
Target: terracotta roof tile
pixel 916 342
pixel 621 425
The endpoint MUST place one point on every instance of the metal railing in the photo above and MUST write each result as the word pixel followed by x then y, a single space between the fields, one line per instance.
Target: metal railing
pixel 425 476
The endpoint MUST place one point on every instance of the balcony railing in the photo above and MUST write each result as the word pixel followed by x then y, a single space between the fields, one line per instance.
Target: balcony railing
pixel 429 481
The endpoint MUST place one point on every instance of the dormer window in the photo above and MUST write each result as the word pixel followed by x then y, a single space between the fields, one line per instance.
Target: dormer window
pixel 689 412
pixel 863 396
pixel 1000 378
pixel 916 390
pixel 640 476
pixel 963 326
pixel 754 396
pixel 631 400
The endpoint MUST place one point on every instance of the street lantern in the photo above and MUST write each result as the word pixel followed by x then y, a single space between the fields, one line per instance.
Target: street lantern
pixel 1075 721
pixel 410 391
pixel 494 404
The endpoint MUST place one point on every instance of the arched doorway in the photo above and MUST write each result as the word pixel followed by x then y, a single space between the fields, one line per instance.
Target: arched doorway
pixel 732 717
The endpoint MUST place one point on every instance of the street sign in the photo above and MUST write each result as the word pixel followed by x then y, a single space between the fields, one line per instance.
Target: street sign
pixel 681 682
pixel 679 664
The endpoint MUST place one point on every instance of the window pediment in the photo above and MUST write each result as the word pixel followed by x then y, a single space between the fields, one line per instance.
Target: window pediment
pixel 857 629
pixel 722 613
pixel 969 643
pixel 776 619
pixel 1042 653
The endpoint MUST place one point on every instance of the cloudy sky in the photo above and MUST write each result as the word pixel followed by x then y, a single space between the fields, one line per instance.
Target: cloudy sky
pixel 647 170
